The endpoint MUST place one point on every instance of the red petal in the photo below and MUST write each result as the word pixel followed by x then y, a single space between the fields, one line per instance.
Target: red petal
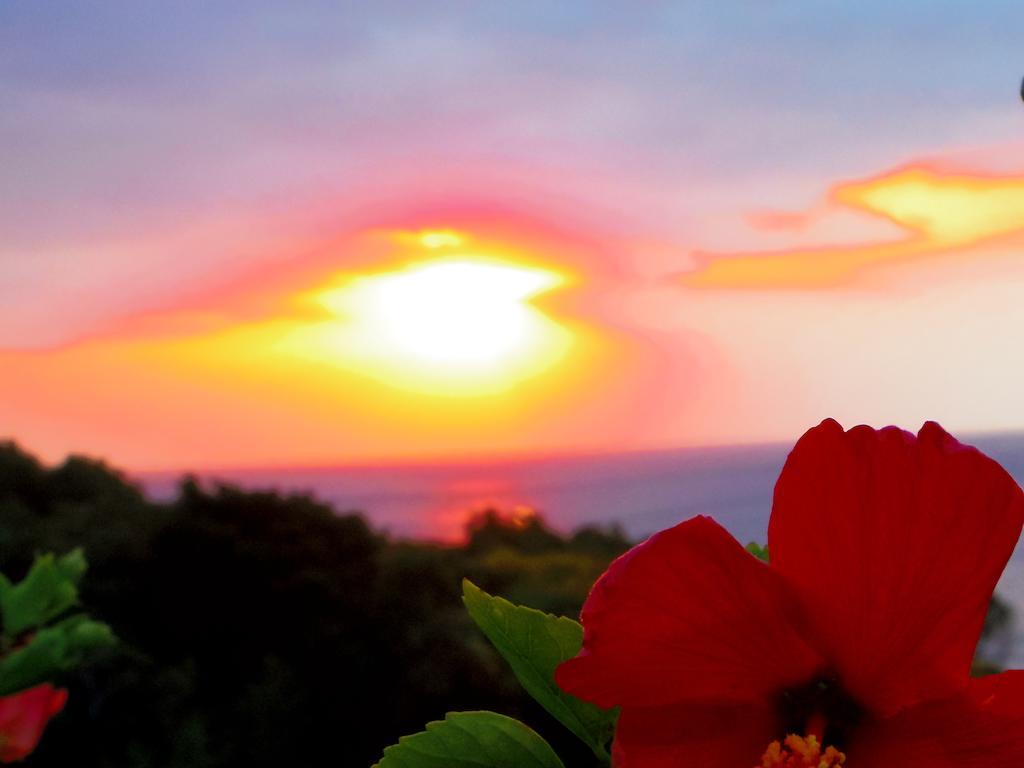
pixel 23 716
pixel 688 614
pixel 895 544
pixel 693 734
pixel 981 728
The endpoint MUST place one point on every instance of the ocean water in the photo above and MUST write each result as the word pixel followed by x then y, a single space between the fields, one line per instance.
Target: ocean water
pixel 643 492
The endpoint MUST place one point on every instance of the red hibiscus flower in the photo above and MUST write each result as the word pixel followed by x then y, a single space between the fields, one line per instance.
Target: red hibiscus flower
pixel 23 716
pixel 853 646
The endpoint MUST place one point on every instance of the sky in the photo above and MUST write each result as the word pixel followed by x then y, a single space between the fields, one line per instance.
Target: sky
pixel 272 234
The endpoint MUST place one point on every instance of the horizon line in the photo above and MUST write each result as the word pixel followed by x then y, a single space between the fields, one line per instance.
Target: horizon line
pixel 496 458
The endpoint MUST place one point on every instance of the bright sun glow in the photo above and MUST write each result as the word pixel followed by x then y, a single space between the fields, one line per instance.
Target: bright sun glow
pixel 460 325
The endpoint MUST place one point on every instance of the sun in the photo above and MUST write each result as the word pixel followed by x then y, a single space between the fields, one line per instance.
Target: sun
pixel 456 325
pixel 457 314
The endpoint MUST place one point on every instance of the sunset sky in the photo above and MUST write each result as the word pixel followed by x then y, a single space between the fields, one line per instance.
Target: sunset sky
pixel 271 234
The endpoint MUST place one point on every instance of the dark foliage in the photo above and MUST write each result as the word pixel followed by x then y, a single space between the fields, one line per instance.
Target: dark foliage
pixel 266 630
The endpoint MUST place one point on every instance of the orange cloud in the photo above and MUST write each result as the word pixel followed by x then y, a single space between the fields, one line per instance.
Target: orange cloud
pixel 771 220
pixel 413 342
pixel 939 213
pixel 270 289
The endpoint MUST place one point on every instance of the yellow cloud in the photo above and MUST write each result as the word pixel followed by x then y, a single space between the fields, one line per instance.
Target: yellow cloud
pixel 939 212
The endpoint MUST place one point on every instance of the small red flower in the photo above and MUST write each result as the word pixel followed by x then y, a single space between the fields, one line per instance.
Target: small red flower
pixel 23 716
pixel 853 647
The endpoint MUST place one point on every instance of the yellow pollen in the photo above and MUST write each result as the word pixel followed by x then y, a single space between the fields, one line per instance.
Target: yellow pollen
pixel 800 752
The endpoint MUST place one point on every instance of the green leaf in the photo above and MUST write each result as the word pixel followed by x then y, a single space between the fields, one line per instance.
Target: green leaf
pixel 758 551
pixel 45 593
pixel 534 643
pixel 471 740
pixel 73 566
pixel 52 651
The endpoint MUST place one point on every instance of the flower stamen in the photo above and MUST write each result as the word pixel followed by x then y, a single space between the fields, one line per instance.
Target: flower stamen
pixel 801 752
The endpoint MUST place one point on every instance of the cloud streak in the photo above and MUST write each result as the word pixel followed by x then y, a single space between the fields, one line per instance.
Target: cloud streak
pixel 939 213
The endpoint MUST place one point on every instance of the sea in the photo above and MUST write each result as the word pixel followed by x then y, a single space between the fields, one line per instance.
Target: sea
pixel 642 492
